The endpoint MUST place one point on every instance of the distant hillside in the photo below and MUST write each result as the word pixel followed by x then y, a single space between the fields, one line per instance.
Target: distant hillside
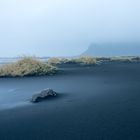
pixel 113 49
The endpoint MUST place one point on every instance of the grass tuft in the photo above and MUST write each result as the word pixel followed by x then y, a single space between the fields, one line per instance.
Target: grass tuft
pixel 27 66
pixel 85 60
pixel 122 59
pixel 55 61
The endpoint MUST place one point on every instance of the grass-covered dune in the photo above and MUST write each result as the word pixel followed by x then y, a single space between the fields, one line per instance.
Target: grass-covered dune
pixel 129 59
pixel 121 59
pixel 27 66
pixel 88 60
pixel 31 66
pixel 57 60
pixel 54 61
pixel 83 60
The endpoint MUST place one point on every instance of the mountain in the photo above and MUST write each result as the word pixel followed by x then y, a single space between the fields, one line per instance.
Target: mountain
pixel 113 49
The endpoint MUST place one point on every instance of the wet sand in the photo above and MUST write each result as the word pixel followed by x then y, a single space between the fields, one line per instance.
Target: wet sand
pixel 94 103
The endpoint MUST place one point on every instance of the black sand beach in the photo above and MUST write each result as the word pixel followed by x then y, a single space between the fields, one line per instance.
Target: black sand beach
pixel 100 102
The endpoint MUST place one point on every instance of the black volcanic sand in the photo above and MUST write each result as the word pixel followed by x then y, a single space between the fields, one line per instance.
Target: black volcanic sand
pixel 94 103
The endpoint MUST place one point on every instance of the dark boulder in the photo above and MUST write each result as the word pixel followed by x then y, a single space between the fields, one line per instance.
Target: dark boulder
pixel 42 95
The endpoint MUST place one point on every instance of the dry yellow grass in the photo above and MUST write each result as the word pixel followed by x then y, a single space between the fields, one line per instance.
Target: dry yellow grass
pixel 85 60
pixel 122 59
pixel 27 66
pixel 57 60
pixel 54 61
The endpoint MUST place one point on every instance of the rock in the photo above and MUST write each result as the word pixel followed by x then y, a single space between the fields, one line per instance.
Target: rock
pixel 42 95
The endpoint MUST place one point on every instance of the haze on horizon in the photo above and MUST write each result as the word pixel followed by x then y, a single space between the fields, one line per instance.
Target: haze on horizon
pixel 65 28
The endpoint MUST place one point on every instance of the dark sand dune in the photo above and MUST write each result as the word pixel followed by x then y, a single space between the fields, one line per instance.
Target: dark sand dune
pixel 94 103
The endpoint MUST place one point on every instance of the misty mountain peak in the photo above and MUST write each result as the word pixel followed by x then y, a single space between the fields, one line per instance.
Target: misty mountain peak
pixel 113 49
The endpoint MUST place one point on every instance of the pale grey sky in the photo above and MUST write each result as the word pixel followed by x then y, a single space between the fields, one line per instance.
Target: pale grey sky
pixel 65 27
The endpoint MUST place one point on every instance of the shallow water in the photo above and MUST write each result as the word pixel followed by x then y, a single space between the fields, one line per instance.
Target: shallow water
pixel 7 60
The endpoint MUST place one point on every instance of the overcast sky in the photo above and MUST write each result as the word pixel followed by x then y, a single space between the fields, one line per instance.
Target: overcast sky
pixel 65 27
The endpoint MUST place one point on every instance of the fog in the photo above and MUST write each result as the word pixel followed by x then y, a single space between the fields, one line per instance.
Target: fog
pixel 65 27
